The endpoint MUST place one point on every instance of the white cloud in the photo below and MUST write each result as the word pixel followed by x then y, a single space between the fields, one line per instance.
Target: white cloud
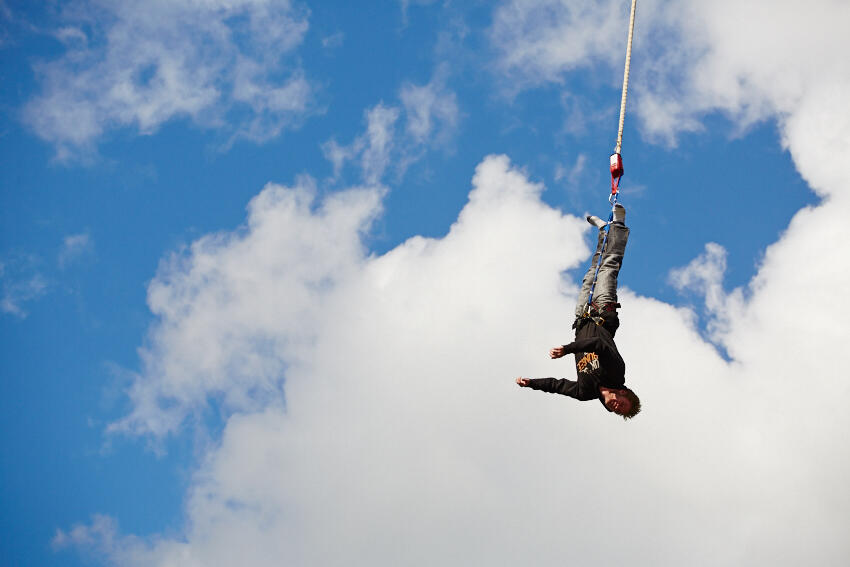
pixel 704 275
pixel 373 148
pixel 432 110
pixel 371 400
pixel 752 60
pixel 75 246
pixel 715 60
pixel 333 41
pixel 429 119
pixel 379 140
pixel 16 293
pixel 100 533
pixel 21 283
pixel 405 6
pixel 140 65
pixel 573 173
pixel 538 41
pixel 271 277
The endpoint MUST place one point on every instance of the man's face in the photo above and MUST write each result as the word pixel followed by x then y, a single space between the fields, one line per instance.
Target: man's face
pixel 618 403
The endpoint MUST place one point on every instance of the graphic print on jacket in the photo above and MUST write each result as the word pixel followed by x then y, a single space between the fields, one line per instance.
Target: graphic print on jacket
pixel 587 363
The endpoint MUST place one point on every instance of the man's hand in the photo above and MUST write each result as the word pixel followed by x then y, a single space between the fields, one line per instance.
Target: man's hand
pixel 557 352
pixel 522 382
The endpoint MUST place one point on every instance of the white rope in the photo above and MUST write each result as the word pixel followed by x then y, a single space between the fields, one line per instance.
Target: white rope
pixel 626 79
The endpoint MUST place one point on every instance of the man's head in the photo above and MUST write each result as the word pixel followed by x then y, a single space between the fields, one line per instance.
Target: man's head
pixel 623 402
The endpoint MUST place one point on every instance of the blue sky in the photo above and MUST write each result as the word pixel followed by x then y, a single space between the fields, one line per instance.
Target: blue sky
pixel 249 245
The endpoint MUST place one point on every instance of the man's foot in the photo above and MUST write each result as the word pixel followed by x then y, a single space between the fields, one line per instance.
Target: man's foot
pixel 619 214
pixel 596 221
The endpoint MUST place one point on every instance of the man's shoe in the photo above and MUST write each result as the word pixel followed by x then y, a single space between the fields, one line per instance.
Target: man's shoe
pixel 619 214
pixel 596 221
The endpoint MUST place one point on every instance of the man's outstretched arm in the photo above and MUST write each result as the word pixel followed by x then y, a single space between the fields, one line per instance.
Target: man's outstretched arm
pixel 561 386
pixel 590 344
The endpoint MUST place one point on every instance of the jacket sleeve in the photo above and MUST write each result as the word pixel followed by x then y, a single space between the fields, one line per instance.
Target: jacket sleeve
pixel 590 344
pixel 580 389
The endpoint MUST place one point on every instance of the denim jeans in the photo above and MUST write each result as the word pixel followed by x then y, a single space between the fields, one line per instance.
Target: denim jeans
pixel 605 291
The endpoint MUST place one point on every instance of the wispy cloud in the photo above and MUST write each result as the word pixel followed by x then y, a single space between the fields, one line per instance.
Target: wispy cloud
pixel 704 276
pixel 21 283
pixel 538 41
pixel 405 6
pixel 573 173
pixel 691 58
pixel 372 149
pixel 74 247
pixel 432 110
pixel 398 136
pixel 333 41
pixel 222 65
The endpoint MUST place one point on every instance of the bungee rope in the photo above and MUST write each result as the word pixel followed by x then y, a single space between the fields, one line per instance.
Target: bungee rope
pixel 626 78
pixel 616 161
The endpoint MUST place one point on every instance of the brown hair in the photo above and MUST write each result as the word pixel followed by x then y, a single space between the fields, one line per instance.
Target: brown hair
pixel 635 402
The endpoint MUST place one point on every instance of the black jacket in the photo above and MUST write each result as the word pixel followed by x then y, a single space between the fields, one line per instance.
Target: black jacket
pixel 597 362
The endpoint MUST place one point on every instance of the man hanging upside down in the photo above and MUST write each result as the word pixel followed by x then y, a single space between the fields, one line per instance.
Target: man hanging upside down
pixel 599 367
